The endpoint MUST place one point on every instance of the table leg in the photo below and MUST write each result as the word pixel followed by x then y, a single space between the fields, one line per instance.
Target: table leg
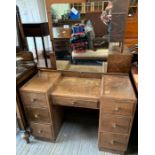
pixel 35 45
pixel 44 51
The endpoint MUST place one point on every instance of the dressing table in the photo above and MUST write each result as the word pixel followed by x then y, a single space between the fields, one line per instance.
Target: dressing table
pixel 45 95
pixel 80 86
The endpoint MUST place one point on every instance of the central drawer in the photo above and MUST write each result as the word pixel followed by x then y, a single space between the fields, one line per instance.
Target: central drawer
pixel 69 101
pixel 38 115
pixel 116 124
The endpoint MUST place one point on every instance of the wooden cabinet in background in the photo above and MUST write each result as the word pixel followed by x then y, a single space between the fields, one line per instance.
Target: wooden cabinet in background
pixel 131 31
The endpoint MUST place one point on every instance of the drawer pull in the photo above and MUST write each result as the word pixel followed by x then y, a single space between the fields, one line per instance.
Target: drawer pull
pixel 36 115
pixel 114 125
pixel 40 131
pixel 117 109
pixel 73 103
pixel 112 142
pixel 33 100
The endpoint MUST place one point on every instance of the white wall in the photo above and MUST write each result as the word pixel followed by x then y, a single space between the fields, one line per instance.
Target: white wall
pixel 33 11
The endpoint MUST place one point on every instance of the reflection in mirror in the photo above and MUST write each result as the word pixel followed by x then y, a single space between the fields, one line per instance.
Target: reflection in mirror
pixel 85 33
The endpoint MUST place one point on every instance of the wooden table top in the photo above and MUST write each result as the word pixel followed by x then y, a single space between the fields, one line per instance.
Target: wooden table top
pixel 119 87
pixel 60 32
pixel 78 87
pixel 41 82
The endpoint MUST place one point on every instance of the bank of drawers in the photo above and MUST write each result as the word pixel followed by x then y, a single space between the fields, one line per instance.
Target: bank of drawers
pixel 38 114
pixel 115 124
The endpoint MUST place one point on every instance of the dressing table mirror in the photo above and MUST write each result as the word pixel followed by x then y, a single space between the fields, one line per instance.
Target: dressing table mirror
pixel 85 33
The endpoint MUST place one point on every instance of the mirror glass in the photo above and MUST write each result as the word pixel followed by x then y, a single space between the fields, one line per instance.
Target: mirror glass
pixel 85 33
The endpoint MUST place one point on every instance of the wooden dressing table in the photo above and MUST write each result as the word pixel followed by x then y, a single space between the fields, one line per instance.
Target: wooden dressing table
pixel 48 91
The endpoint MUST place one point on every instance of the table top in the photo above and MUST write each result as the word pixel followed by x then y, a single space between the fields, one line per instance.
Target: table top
pixel 118 87
pixel 88 88
pixel 92 88
pixel 61 33
pixel 41 82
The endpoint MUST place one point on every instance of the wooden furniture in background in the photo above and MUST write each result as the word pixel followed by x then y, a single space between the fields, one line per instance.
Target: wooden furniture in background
pixel 61 37
pixel 131 32
pixel 131 29
pixel 26 55
pixel 22 77
pixel 37 30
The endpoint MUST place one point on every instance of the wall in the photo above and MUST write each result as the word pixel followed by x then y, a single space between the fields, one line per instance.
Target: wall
pixel 34 11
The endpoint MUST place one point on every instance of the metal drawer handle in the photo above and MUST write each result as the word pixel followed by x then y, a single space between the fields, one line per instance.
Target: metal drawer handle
pixel 112 142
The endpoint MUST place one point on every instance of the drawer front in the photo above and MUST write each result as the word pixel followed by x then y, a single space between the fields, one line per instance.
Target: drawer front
pixel 38 115
pixel 117 107
pixel 75 102
pixel 116 124
pixel 34 99
pixel 42 131
pixel 112 141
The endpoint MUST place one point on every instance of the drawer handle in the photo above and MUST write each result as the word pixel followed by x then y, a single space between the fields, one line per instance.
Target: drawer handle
pixel 117 109
pixel 40 131
pixel 36 115
pixel 112 142
pixel 33 100
pixel 114 125
pixel 73 102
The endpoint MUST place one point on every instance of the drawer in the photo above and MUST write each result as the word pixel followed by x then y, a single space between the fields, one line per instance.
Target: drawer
pixel 113 123
pixel 112 141
pixel 92 104
pixel 34 99
pixel 118 107
pixel 42 131
pixel 38 115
